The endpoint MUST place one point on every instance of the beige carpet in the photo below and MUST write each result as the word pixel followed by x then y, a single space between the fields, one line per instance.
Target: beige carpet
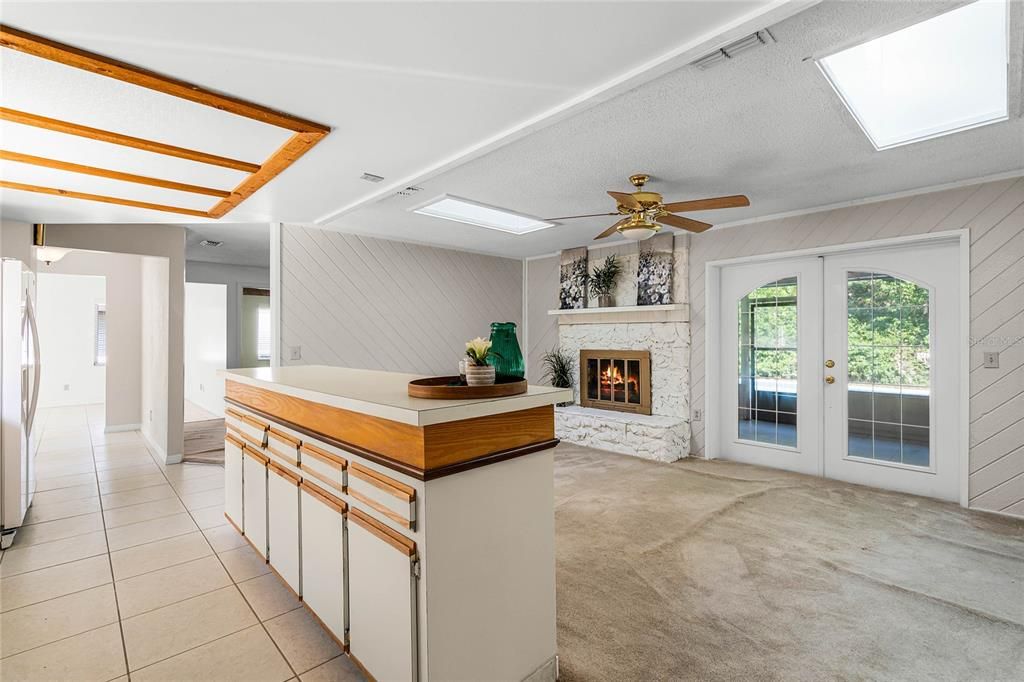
pixel 717 571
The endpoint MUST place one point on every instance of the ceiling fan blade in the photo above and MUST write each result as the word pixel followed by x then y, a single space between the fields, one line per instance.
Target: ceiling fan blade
pixel 734 201
pixel 611 230
pixel 626 200
pixel 682 223
pixel 589 215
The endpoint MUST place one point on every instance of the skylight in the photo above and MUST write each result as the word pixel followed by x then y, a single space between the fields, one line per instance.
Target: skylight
pixel 941 76
pixel 482 215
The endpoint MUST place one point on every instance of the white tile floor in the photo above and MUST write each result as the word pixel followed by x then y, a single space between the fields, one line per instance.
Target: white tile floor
pixel 126 569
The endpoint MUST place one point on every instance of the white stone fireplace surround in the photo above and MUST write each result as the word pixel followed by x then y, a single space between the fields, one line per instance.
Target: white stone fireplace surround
pixel 664 435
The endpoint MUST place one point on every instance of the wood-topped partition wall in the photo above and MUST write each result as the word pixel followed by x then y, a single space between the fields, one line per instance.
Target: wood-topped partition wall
pixel 305 134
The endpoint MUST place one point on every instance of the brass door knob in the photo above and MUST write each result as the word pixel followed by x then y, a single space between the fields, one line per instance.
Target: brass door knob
pixel 830 379
pixel 830 363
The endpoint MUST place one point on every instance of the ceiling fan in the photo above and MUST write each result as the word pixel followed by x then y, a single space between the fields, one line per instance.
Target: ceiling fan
pixel 645 212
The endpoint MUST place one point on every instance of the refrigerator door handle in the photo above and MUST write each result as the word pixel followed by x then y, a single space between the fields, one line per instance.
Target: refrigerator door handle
pixel 31 314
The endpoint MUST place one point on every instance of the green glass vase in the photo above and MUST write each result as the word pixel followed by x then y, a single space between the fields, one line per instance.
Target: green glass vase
pixel 509 360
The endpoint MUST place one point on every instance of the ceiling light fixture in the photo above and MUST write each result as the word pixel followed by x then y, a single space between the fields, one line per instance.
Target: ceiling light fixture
pixel 722 54
pixel 51 254
pixel 460 210
pixel 940 76
pixel 638 228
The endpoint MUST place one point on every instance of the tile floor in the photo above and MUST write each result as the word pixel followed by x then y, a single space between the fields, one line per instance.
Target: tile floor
pixel 126 569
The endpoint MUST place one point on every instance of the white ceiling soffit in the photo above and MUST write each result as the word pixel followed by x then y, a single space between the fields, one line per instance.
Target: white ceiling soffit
pixel 410 89
pixel 766 124
pixel 243 243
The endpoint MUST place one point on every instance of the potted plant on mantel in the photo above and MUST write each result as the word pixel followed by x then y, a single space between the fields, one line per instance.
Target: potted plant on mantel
pixel 478 372
pixel 603 279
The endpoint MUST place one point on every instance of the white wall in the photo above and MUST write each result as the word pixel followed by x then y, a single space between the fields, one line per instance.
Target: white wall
pixel 123 275
pixel 155 380
pixel 236 277
pixel 166 242
pixel 66 316
pixel 205 344
pixel 377 304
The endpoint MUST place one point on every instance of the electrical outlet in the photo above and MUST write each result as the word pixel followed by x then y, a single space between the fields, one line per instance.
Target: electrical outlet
pixel 151 415
pixel 294 352
pixel 698 415
pixel 991 360
pixel 201 387
pixel 67 387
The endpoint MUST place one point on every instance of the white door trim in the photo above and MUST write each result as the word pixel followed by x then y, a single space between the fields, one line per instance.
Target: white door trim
pixel 713 324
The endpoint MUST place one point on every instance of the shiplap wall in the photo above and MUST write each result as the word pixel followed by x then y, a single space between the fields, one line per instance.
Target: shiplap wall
pixel 378 304
pixel 994 213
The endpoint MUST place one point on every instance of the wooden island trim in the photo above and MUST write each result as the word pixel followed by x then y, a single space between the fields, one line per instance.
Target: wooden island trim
pixel 423 452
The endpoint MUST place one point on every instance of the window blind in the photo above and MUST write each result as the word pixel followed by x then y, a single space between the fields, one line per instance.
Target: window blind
pixel 263 334
pixel 100 341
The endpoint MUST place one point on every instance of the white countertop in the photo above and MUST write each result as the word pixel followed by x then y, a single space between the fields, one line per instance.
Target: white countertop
pixel 384 394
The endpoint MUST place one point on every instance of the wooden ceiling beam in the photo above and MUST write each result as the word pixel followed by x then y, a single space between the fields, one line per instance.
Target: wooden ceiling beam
pixel 4 184
pixel 38 46
pixel 112 174
pixel 68 128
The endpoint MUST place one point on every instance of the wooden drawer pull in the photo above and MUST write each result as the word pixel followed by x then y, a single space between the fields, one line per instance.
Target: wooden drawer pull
pixel 234 441
pixel 283 456
pixel 253 421
pixel 326 457
pixel 256 455
pixel 337 487
pixel 234 413
pixel 388 485
pixel 286 437
pixel 327 498
pixel 381 509
pixel 284 473
pixel 388 535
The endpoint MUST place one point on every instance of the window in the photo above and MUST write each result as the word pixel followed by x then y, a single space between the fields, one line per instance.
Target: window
pixel 263 333
pixel 937 77
pixel 99 356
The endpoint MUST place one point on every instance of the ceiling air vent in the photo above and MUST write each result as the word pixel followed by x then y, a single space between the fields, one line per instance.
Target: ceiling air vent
pixel 210 242
pixel 762 37
pixel 408 191
pixel 370 177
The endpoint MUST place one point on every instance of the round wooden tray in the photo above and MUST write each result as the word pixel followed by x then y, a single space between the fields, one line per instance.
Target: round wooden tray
pixel 449 388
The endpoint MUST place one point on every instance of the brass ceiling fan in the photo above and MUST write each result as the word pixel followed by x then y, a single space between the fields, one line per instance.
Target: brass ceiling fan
pixel 645 212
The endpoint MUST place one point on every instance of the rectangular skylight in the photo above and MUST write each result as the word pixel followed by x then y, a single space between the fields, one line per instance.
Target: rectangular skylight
pixel 937 77
pixel 481 215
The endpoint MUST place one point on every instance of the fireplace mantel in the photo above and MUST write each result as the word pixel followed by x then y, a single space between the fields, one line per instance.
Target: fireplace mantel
pixel 672 312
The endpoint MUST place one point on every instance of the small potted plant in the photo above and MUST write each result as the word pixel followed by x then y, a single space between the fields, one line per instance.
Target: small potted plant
pixel 558 369
pixel 478 372
pixel 602 281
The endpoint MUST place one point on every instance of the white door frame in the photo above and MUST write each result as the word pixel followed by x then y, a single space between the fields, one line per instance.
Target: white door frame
pixel 713 325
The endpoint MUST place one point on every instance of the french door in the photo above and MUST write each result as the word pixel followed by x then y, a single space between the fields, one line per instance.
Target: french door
pixel 846 365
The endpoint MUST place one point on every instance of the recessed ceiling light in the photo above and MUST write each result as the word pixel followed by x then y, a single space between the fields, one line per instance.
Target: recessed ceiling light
pixel 210 242
pixel 937 77
pixel 481 215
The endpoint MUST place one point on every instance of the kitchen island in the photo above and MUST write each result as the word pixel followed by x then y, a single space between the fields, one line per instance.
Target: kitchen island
pixel 420 533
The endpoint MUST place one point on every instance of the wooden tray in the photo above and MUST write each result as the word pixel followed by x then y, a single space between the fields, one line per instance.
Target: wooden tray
pixel 442 388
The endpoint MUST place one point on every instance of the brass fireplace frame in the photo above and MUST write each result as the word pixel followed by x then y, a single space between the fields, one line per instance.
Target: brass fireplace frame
pixel 642 356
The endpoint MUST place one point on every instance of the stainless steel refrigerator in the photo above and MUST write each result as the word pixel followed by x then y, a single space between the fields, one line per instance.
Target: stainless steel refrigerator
pixel 19 393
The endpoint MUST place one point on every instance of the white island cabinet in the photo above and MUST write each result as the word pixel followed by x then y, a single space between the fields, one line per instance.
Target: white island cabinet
pixel 420 533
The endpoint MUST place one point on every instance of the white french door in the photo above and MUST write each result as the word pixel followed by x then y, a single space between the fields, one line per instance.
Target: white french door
pixel 846 365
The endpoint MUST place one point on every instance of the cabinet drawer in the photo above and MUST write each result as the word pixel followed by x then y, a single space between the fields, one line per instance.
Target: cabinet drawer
pixel 323 566
pixel 283 524
pixel 283 449
pixel 326 468
pixel 246 427
pixel 393 499
pixel 254 499
pixel 233 480
pixel 383 598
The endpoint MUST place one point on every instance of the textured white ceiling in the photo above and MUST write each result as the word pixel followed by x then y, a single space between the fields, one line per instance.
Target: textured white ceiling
pixel 406 86
pixel 766 124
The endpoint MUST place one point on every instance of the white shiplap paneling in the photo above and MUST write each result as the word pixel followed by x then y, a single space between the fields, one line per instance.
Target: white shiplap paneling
pixel 376 304
pixel 994 213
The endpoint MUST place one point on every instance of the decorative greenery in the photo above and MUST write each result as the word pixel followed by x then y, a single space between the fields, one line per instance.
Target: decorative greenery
pixel 558 368
pixel 602 280
pixel 478 350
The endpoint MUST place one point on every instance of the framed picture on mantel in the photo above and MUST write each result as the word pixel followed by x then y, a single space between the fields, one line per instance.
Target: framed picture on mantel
pixel 572 279
pixel 654 271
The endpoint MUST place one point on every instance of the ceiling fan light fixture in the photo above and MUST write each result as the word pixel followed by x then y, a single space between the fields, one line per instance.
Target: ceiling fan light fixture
pixel 639 229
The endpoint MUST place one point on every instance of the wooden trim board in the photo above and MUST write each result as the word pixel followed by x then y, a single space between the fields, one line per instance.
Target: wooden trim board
pixel 392 537
pixel 306 133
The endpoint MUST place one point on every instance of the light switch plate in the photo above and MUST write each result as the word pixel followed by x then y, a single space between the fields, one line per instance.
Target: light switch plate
pixel 991 360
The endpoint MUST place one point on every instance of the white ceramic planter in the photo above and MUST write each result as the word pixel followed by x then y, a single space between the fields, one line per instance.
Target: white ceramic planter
pixel 479 376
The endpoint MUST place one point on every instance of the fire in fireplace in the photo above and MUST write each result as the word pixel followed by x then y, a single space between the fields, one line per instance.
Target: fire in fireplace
pixel 616 380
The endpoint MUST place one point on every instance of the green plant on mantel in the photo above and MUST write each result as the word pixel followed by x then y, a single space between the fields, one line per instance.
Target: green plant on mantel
pixel 602 280
pixel 558 369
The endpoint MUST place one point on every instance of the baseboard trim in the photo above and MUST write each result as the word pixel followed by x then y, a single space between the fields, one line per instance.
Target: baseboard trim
pixel 174 458
pixel 118 428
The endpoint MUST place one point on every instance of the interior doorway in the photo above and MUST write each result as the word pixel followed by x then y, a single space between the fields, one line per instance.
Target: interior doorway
pixel 845 364
pixel 206 345
pixel 255 327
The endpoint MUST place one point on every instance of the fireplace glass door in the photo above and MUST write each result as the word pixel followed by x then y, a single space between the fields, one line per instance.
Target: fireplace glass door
pixel 616 380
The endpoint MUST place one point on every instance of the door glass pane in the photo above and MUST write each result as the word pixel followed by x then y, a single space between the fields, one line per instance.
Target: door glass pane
pixel 633 381
pixel 592 378
pixel 619 381
pixel 767 364
pixel 888 369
